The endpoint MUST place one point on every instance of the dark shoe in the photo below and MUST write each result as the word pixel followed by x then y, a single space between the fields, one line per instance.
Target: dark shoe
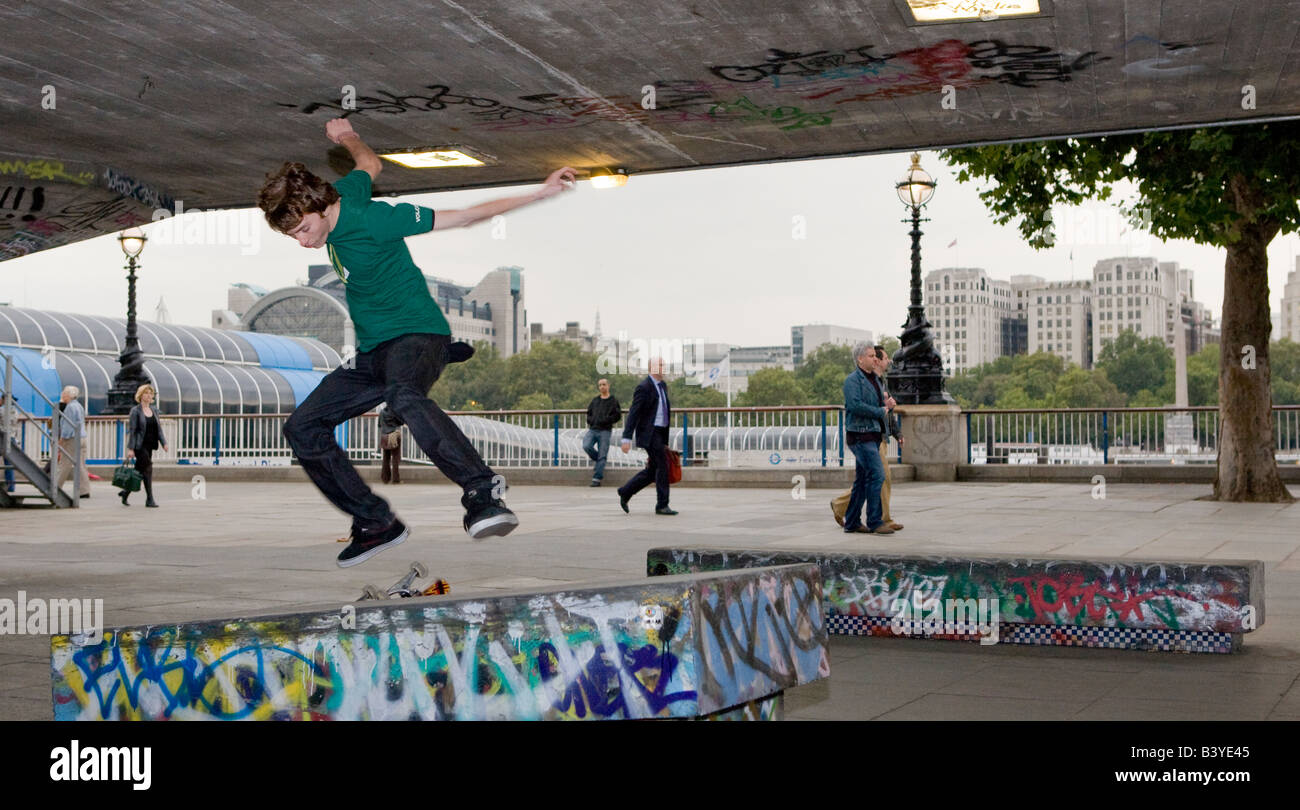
pixel 151 502
pixel 486 516
pixel 665 510
pixel 595 482
pixel 622 501
pixel 858 530
pixel 881 529
pixel 397 480
pixel 366 543
pixel 85 495
pixel 124 494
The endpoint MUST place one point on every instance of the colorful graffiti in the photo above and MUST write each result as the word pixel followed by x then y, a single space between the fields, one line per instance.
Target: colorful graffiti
pixel 45 170
pixel 36 217
pixel 1225 598
pixel 722 641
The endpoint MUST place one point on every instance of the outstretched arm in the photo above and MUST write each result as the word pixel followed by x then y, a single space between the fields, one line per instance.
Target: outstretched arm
pixel 560 180
pixel 340 131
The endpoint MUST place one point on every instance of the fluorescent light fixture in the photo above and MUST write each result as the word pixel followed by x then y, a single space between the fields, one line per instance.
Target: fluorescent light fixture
pixel 426 158
pixel 948 11
pixel 608 178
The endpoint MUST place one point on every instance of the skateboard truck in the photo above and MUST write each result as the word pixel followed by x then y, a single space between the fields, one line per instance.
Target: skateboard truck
pixel 403 586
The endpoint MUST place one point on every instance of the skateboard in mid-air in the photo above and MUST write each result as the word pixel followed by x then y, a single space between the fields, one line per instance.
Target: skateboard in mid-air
pixel 404 587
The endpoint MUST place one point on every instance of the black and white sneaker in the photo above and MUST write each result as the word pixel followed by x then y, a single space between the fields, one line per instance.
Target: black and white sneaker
pixel 367 543
pixel 486 516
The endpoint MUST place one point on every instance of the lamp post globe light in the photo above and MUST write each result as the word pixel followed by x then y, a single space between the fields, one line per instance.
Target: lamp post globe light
pixel 917 375
pixel 121 397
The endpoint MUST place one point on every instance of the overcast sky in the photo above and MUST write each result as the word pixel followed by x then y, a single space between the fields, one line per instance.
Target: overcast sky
pixel 708 254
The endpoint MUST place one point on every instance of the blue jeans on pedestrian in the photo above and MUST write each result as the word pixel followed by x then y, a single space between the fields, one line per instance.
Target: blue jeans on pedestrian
pixel 596 445
pixel 866 487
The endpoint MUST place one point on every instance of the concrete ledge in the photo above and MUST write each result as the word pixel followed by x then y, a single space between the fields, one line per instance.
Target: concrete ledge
pixel 1114 473
pixel 722 644
pixel 730 477
pixel 1168 595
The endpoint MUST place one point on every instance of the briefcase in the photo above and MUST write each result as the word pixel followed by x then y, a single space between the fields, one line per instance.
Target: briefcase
pixel 674 466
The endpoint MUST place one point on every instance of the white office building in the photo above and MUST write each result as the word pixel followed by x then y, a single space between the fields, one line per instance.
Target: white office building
pixel 967 310
pixel 1060 320
pixel 1130 292
pixel 806 339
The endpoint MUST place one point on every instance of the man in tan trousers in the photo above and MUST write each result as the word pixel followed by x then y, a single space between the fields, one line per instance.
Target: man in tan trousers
pixel 883 362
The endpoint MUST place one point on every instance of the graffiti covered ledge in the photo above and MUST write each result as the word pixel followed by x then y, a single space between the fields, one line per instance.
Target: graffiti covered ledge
pixel 1164 605
pixel 712 645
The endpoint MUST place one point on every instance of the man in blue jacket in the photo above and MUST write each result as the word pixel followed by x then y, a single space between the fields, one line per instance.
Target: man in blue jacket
pixel 866 417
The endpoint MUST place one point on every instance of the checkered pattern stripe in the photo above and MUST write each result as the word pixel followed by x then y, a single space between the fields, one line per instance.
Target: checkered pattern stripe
pixel 1118 638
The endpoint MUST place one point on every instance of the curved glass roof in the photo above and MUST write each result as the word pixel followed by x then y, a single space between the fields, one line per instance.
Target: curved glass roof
pixel 196 370
pixel 96 334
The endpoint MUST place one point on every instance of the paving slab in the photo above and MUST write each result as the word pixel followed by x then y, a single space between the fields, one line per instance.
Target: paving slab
pixel 261 547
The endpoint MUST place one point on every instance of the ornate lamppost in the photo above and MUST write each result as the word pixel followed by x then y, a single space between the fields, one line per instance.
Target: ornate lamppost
pixel 917 375
pixel 121 397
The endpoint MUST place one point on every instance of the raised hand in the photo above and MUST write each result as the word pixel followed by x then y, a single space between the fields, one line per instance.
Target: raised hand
pixel 559 180
pixel 338 128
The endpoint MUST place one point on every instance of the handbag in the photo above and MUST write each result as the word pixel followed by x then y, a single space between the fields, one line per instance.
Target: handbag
pixel 674 466
pixel 127 477
pixel 392 441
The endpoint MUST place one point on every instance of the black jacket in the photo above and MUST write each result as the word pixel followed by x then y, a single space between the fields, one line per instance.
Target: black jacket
pixel 136 424
pixel 603 413
pixel 641 416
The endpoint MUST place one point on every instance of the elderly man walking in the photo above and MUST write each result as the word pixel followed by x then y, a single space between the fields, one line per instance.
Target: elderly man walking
pixel 866 409
pixel 72 426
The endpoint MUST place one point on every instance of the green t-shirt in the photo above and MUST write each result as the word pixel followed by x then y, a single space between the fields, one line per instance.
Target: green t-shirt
pixel 387 294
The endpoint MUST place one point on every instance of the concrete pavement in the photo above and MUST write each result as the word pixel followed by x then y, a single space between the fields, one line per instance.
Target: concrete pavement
pixel 249 548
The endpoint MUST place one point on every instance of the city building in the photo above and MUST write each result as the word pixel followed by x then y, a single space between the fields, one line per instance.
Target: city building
pixel 492 310
pixel 967 309
pixel 1130 292
pixel 804 340
pixel 1060 320
pixel 1290 314
pixel 239 299
pixel 571 333
pixel 746 360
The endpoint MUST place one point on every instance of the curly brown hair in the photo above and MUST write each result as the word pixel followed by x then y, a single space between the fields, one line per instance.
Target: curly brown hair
pixel 291 193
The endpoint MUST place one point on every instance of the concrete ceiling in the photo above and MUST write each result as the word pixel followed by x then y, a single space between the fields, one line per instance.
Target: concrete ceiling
pixel 110 110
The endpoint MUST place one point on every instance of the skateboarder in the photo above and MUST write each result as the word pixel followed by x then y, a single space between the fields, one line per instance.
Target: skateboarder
pixel 402 338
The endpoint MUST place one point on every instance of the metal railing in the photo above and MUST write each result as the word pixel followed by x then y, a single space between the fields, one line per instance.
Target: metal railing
pixel 506 439
pixel 705 436
pixel 1168 435
pixel 14 422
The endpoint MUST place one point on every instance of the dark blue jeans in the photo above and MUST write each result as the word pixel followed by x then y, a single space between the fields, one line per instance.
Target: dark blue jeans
pixel 596 445
pixel 400 372
pixel 866 487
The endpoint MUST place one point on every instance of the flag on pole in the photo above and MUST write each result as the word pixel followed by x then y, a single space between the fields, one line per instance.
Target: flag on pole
pixel 714 375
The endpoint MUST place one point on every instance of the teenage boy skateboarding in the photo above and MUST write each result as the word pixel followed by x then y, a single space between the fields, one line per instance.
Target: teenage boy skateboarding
pixel 402 338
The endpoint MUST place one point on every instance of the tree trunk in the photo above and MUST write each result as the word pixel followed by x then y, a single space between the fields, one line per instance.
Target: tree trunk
pixel 1247 470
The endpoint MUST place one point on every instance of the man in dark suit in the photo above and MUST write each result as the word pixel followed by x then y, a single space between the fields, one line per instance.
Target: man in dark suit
pixel 648 420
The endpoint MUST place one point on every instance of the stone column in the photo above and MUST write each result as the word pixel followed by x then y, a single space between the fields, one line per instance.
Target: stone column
pixel 934 440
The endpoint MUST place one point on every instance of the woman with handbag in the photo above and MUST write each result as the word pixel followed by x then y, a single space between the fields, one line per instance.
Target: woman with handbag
pixel 144 436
